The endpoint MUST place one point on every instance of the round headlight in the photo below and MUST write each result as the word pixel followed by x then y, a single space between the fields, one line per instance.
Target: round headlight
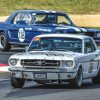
pixel 13 62
pixel 69 63
pixel 98 35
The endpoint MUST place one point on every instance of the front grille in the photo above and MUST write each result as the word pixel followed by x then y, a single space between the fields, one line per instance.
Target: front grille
pixel 40 63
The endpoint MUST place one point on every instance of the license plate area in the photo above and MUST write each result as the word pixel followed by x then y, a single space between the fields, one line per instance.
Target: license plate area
pixel 40 75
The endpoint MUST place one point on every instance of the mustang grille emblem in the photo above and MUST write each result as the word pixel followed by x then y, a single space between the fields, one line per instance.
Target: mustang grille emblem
pixel 39 63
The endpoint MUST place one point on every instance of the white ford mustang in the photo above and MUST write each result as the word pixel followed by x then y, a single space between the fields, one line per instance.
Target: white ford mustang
pixel 56 58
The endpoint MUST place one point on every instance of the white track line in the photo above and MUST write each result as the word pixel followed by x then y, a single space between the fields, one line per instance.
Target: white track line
pixel 4 68
pixel 7 79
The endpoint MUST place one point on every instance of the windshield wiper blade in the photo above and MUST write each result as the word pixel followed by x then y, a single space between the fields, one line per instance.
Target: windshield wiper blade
pixel 36 49
pixel 59 49
pixel 40 49
pixel 62 50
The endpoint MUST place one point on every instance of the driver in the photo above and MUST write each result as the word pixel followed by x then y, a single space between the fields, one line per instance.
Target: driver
pixel 45 44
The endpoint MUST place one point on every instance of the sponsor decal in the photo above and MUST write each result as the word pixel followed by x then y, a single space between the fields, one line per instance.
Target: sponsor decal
pixel 28 29
pixel 69 27
pixel 45 30
pixel 21 35
pixel 91 66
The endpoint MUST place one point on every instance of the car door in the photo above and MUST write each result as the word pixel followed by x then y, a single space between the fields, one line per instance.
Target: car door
pixel 22 30
pixel 90 58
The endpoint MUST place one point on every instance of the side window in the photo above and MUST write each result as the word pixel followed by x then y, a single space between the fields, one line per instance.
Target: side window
pixel 62 20
pixel 39 18
pixel 45 19
pixel 17 18
pixel 22 18
pixel 26 17
pixel 89 46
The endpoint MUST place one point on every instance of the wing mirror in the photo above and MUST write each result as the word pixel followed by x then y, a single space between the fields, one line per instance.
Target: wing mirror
pixel 26 47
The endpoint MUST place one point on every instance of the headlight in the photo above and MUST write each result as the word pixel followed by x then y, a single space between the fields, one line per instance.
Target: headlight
pixel 69 63
pixel 98 35
pixel 13 62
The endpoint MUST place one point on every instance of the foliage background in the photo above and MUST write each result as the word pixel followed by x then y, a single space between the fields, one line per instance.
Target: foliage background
pixel 69 6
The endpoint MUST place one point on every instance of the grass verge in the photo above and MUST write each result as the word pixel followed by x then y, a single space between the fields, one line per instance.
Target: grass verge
pixel 4 75
pixel 70 6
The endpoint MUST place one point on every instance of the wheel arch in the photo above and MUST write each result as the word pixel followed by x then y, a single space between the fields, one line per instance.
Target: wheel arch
pixel 80 66
pixel 5 33
pixel 2 31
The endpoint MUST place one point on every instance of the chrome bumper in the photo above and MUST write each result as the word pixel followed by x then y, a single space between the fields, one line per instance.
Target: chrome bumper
pixel 43 74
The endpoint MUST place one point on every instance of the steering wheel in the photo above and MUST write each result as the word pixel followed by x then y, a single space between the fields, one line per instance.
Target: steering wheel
pixel 27 22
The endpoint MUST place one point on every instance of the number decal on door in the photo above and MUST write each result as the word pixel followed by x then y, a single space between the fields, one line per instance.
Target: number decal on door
pixel 21 35
pixel 91 64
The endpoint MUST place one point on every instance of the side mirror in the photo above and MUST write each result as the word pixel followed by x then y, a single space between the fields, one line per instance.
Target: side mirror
pixel 26 47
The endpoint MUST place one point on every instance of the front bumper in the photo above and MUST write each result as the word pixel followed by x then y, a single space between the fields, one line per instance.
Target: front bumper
pixel 43 74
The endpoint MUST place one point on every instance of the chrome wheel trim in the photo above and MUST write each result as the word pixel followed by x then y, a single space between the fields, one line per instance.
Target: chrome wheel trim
pixel 2 41
pixel 79 77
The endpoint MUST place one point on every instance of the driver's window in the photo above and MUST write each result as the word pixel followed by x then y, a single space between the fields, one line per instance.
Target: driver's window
pixel 89 47
pixel 27 18
pixel 45 44
pixel 22 18
pixel 17 18
pixel 62 20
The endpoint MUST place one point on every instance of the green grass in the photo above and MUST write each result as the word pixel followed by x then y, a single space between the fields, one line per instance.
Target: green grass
pixel 4 75
pixel 70 6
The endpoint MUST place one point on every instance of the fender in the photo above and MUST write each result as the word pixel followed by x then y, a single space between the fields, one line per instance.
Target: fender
pixel 5 33
pixel 4 29
pixel 79 65
pixel 98 67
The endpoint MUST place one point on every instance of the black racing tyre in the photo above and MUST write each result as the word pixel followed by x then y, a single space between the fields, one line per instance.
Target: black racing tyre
pixel 96 80
pixel 17 82
pixel 78 80
pixel 4 45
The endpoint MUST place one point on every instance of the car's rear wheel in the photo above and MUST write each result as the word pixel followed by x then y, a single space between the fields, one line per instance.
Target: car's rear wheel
pixel 17 82
pixel 77 81
pixel 96 80
pixel 4 45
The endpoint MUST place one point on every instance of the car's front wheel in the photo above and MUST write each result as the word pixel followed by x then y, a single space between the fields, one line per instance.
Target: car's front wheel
pixel 17 82
pixel 77 81
pixel 4 45
pixel 96 80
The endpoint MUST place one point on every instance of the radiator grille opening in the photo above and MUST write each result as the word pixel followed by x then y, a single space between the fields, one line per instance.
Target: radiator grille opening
pixel 40 63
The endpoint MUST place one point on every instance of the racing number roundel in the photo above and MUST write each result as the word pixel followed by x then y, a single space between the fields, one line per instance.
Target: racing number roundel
pixel 21 35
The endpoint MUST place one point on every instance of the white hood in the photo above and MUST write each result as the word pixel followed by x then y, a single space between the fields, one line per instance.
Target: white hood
pixel 47 55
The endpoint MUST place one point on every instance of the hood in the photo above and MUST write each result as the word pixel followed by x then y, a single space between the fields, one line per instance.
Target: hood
pixel 47 55
pixel 59 28
pixel 92 30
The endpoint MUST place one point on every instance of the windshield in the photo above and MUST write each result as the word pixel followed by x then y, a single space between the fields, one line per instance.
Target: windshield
pixel 56 44
pixel 52 18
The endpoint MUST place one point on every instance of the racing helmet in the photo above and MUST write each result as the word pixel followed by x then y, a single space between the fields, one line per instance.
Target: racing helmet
pixel 45 44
